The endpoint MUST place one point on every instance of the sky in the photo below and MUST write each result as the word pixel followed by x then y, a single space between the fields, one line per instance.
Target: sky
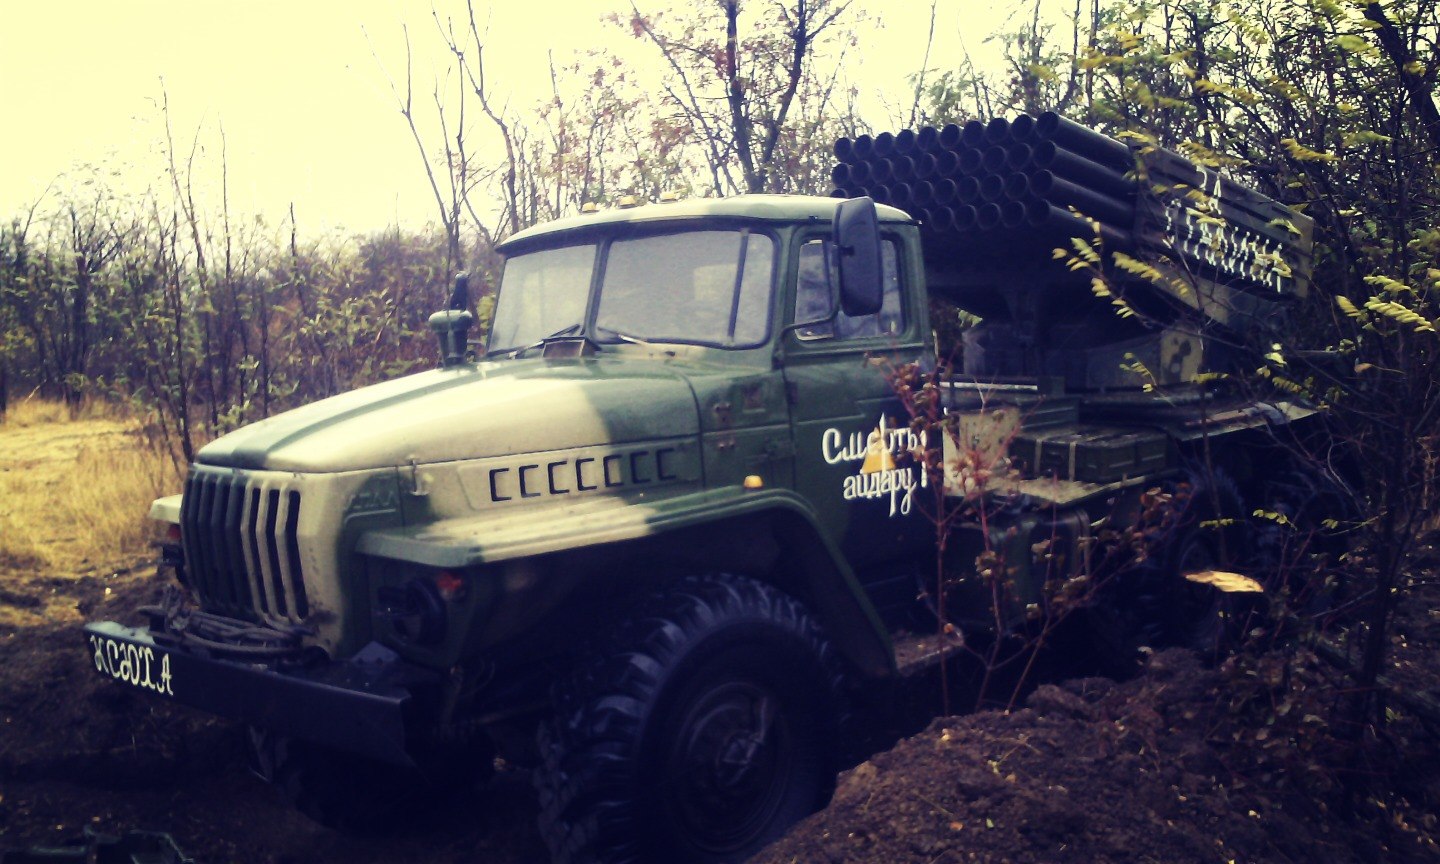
pixel 301 90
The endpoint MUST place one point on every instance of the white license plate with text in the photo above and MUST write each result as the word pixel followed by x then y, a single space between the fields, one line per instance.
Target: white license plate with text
pixel 137 665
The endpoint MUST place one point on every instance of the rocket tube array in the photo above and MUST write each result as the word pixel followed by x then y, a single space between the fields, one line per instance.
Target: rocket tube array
pixel 1005 179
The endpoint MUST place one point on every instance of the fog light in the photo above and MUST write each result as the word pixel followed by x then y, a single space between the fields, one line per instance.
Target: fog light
pixel 415 611
pixel 450 586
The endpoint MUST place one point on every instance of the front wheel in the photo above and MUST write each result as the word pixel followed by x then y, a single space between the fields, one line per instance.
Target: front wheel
pixel 705 728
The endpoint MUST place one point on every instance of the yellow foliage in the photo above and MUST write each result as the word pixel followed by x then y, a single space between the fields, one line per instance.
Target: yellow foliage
pixel 1363 137
pixel 1285 88
pixel 1041 73
pixel 1207 377
pixel 1137 135
pixel 1085 250
pixel 1230 583
pixel 1352 44
pixel 1205 156
pixel 1301 153
pixel 1390 286
pixel 1239 94
pixel 1139 268
pixel 1327 9
pixel 1101 290
pixel 1250 31
pixel 1350 309
pixel 1400 314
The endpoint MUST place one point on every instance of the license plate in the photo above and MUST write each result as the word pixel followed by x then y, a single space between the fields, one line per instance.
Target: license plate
pixel 143 666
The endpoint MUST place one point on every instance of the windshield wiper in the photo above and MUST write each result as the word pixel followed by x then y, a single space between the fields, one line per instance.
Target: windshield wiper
pixel 623 337
pixel 563 331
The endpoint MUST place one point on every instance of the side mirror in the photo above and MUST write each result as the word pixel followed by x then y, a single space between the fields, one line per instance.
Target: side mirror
pixel 857 248
pixel 453 324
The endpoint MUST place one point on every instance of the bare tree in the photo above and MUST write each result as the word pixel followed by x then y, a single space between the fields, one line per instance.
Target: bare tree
pixel 739 88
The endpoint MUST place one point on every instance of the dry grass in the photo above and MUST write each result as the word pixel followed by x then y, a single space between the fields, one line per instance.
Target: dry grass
pixel 74 493
pixel 36 411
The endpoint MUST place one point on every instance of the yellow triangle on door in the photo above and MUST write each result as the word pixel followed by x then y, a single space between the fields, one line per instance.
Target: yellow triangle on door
pixel 877 453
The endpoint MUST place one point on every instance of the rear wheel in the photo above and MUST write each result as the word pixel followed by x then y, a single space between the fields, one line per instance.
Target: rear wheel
pixel 1153 605
pixel 1202 617
pixel 706 726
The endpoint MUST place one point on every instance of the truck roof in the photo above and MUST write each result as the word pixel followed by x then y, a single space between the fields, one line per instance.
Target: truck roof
pixel 779 208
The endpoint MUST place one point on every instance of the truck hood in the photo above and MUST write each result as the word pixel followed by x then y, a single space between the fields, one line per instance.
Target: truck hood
pixel 472 412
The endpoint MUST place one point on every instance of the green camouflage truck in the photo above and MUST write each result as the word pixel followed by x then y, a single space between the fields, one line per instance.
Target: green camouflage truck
pixel 669 530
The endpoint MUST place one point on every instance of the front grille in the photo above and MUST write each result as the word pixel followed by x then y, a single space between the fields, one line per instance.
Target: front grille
pixel 242 548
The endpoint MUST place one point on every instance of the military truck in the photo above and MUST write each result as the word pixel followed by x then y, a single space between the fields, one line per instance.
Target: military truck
pixel 669 530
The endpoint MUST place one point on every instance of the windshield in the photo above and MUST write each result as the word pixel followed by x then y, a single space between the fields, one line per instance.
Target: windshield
pixel 705 287
pixel 540 294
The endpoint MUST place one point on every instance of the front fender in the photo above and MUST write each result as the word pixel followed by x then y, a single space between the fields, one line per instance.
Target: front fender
pixel 825 581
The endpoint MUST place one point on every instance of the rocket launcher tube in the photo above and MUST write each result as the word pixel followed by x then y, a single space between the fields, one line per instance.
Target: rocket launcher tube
pixel 973 134
pixel 1044 184
pixel 1084 141
pixel 1077 169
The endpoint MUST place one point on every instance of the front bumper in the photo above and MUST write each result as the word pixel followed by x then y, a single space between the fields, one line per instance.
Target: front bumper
pixel 363 705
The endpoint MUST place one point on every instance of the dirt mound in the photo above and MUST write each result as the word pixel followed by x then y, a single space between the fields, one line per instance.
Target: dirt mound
pixel 1090 771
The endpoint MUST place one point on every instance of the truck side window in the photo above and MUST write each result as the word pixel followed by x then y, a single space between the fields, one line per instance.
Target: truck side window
pixel 814 294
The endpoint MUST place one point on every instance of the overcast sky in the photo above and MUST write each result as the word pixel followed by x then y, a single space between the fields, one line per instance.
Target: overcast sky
pixel 305 105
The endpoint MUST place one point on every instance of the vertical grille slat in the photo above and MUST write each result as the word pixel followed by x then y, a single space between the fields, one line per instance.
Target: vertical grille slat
pixel 215 518
pixel 282 557
pixel 241 535
pixel 205 533
pixel 252 552
pixel 268 577
pixel 234 557
pixel 292 554
pixel 272 550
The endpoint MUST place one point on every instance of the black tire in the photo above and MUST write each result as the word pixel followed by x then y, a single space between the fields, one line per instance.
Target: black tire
pixel 1203 618
pixel 705 726
pixel 356 795
pixel 1153 605
pixel 1297 555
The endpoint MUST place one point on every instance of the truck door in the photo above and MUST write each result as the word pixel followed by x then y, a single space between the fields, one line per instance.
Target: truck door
pixel 851 432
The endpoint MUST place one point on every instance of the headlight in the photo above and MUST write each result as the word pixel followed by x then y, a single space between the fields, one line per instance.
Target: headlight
pixel 415 610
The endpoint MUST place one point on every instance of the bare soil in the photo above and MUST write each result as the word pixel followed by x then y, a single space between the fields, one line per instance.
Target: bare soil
pixel 1095 771
pixel 1182 763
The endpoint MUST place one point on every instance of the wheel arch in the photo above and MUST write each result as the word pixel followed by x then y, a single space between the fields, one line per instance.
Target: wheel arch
pixel 768 535
pixel 779 545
